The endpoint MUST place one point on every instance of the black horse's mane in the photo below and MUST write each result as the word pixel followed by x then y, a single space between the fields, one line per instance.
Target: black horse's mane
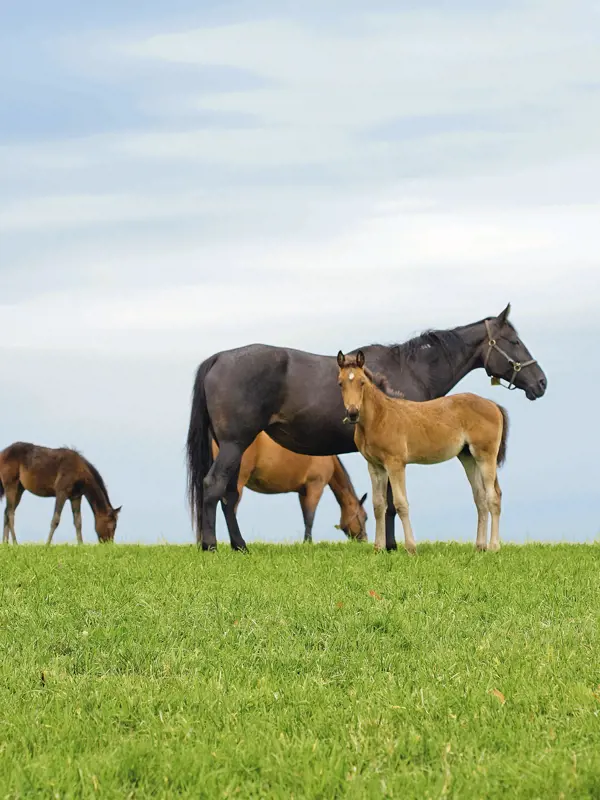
pixel 448 343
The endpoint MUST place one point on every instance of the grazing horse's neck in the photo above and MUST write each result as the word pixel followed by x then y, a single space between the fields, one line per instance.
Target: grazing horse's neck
pixel 446 372
pixel 341 486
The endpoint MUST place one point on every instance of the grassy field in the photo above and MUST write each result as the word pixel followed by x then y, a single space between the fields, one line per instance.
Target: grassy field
pixel 321 672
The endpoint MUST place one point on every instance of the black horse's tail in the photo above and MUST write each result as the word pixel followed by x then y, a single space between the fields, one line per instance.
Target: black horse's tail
pixel 199 450
pixel 502 449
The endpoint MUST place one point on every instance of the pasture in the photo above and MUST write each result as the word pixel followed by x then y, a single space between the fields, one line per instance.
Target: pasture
pixel 325 671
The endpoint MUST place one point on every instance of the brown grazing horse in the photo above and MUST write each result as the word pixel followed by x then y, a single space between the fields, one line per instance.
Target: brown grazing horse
pixel 269 468
pixel 61 473
pixel 391 432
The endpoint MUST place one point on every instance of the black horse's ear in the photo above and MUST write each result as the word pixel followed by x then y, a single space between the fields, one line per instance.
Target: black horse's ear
pixel 360 359
pixel 503 315
pixel 362 499
pixel 340 359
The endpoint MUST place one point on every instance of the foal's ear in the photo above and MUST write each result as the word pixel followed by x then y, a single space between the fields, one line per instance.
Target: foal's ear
pixel 503 315
pixel 360 359
pixel 340 359
pixel 117 511
pixel 362 499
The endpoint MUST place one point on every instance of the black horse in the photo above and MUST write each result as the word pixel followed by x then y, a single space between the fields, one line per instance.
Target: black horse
pixel 294 397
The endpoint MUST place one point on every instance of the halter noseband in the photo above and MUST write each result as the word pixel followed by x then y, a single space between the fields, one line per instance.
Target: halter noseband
pixel 516 365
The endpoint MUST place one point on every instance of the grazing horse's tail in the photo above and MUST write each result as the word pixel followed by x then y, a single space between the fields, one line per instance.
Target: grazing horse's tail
pixel 1 490
pixel 502 449
pixel 199 450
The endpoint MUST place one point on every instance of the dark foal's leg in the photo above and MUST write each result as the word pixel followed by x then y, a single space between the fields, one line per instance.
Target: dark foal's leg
pixel 13 498
pixel 61 499
pixel 222 476
pixel 390 519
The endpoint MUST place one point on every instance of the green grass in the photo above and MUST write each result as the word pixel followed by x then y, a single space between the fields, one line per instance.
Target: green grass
pixel 321 672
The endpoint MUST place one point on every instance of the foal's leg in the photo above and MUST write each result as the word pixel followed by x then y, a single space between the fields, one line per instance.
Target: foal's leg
pixel 379 480
pixel 488 469
pixel 221 482
pixel 76 509
pixel 476 481
pixel 398 482
pixel 309 500
pixel 13 498
pixel 61 499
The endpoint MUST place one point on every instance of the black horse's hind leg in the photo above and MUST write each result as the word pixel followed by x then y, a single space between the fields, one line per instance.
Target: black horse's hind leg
pixel 222 476
pixel 229 506
pixel 390 519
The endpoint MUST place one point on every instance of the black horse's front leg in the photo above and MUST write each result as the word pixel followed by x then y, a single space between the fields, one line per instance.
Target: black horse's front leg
pixel 390 518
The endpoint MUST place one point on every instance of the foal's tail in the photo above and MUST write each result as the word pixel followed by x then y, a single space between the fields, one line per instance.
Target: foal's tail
pixel 199 450
pixel 505 425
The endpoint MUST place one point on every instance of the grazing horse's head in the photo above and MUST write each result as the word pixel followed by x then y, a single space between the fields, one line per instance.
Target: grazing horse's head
pixel 106 524
pixel 353 521
pixel 505 356
pixel 352 381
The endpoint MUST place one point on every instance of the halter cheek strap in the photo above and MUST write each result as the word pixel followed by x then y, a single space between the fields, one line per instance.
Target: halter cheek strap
pixel 516 365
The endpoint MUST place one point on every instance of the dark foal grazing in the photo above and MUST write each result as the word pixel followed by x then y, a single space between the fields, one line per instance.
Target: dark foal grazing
pixel 61 473
pixel 268 468
pixel 294 397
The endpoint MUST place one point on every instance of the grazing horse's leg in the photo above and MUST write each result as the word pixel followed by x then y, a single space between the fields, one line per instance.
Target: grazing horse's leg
pixel 61 499
pixel 309 500
pixel 76 508
pixel 13 498
pixel 390 520
pixel 476 481
pixel 221 477
pixel 379 480
pixel 398 481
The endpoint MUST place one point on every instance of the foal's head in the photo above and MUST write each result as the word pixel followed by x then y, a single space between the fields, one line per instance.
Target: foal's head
pixel 106 524
pixel 352 381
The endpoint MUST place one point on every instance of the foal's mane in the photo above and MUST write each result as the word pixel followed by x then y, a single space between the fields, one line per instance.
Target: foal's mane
pixel 376 378
pixel 96 475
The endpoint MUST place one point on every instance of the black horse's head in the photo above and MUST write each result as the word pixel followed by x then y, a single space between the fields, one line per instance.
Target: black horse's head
pixel 506 357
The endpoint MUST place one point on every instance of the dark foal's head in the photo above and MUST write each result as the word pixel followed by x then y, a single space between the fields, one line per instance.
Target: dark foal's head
pixel 106 524
pixel 506 357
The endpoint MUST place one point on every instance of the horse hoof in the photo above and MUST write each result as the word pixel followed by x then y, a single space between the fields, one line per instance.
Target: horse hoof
pixel 481 548
pixel 494 548
pixel 412 551
pixel 209 548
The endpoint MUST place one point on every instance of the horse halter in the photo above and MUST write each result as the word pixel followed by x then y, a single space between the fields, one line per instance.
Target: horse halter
pixel 516 365
pixel 346 530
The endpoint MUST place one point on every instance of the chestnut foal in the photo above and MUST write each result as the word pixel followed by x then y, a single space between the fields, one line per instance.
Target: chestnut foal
pixel 60 473
pixel 269 468
pixel 392 432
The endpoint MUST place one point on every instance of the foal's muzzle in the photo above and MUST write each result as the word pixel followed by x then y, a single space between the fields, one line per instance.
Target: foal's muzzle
pixel 352 415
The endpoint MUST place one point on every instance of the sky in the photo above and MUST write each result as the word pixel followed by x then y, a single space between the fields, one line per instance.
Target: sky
pixel 185 177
